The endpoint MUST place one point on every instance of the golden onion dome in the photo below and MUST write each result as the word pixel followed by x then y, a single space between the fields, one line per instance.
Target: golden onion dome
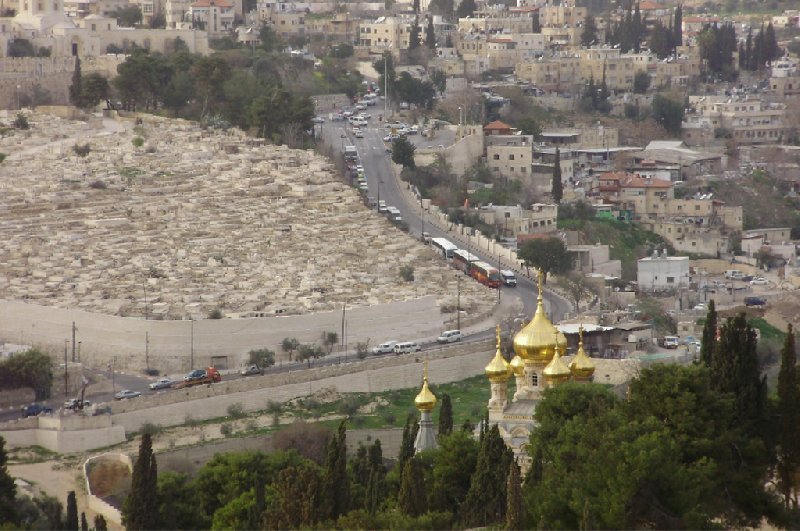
pixel 581 366
pixel 536 340
pixel 425 400
pixel 556 371
pixel 517 366
pixel 498 369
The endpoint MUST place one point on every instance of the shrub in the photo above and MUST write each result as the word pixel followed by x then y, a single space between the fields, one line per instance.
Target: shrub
pixel 236 410
pixel 98 185
pixel 310 440
pixel 20 122
pixel 151 429
pixel 407 273
pixel 137 141
pixel 226 429
pixel 216 313
pixel 82 150
pixel 390 418
pixel 2 157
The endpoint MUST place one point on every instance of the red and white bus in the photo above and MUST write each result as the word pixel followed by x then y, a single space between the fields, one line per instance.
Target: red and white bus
pixel 485 274
pixel 462 259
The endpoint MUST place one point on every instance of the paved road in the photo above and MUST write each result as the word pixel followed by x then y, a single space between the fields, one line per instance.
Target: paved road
pixel 383 186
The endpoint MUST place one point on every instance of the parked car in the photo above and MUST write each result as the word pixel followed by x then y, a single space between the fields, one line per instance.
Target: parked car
pixel 702 307
pixel 384 348
pixel 251 370
pixel 358 133
pixel 318 120
pixel 755 301
pixel 759 281
pixel 163 383
pixel 126 394
pixel 32 410
pixel 75 403
pixel 671 341
pixel 450 336
pixel 406 347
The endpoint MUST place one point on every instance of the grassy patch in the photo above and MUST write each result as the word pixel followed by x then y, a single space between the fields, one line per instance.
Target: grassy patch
pixel 30 454
pixel 768 331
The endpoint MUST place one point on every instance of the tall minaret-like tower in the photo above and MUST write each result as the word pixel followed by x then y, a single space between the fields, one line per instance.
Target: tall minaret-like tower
pixel 498 371
pixel 425 402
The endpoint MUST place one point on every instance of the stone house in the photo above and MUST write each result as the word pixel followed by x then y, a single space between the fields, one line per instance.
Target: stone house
pixel 662 272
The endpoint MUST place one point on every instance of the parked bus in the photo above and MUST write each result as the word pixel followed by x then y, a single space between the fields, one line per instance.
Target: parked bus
pixel 485 274
pixel 444 246
pixel 462 259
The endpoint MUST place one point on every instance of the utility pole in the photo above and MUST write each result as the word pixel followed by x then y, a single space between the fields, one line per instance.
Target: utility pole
pixel 79 351
pixel 73 341
pixel 458 304
pixel 147 350
pixel 191 352
pixel 66 376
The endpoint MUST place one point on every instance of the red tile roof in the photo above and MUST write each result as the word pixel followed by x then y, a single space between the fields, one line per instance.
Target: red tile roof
pixel 497 125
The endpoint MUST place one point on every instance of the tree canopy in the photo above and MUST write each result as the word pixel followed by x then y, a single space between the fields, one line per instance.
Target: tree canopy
pixel 547 254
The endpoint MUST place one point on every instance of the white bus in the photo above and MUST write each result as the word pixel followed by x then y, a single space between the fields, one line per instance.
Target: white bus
pixel 445 246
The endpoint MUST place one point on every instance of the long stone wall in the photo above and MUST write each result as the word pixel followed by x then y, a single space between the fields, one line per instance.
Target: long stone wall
pixel 171 345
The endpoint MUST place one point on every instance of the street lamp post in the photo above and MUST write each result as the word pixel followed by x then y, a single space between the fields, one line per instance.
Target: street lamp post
pixel 458 302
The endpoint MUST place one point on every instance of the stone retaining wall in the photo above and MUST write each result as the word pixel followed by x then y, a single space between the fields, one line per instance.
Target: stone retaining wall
pixel 96 504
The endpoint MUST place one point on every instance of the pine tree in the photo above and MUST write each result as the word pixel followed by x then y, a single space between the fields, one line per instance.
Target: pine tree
pixel 76 88
pixel 771 44
pixel 735 370
pixel 486 500
pixel 709 337
pixel 515 510
pixel 71 523
pixel 84 523
pixel 637 30
pixel 412 498
pixel 788 410
pixel 8 490
pixel 100 523
pixel 748 51
pixel 589 33
pixel 140 509
pixel 445 416
pixel 375 490
pixel 407 442
pixel 413 37
pixel 677 27
pixel 466 8
pixel 430 35
pixel 558 186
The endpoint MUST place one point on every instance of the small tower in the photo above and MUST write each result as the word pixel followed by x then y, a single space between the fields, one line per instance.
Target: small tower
pixel 498 371
pixel 581 366
pixel 518 368
pixel 556 371
pixel 425 402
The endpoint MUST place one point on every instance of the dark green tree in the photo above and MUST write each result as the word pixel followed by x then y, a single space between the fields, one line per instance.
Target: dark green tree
pixel 290 345
pixel 270 41
pixel 661 41
pixel 677 27
pixel 735 369
pixel 453 465
pixel 641 82
pixel 386 74
pixel 178 503
pixel 403 152
pixel 536 24
pixel 412 497
pixel 407 442
pixel 128 16
pixel 179 92
pixel 140 509
pixel 557 190
pixel 415 6
pixel 430 35
pixel 637 30
pixel 262 357
pixel 300 492
pixel 709 337
pixel 515 510
pixel 413 36
pixel 466 8
pixel 8 490
pixel 95 89
pixel 668 113
pixel 76 88
pixel 71 523
pixel 550 255
pixel 337 482
pixel 84 522
pixel 486 502
pixel 32 368
pixel 445 416
pixel 441 7
pixel 589 33
pixel 100 523
pixel 788 426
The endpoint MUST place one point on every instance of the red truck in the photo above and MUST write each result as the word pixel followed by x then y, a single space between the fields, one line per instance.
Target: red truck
pixel 199 377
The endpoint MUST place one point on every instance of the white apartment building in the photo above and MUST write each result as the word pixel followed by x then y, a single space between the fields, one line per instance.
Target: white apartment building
pixel 746 120
pixel 662 272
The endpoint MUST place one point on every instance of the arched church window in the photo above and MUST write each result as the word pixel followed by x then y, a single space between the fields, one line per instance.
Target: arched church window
pixel 535 380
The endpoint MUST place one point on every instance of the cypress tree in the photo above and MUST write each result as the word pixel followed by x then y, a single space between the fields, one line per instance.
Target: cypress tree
pixel 412 496
pixel 558 186
pixel 485 503
pixel 76 88
pixel 140 509
pixel 735 370
pixel 71 523
pixel 748 50
pixel 515 510
pixel 337 482
pixel 415 6
pixel 374 490
pixel 637 30
pixel 430 35
pixel 771 43
pixel 677 27
pixel 536 24
pixel 413 38
pixel 84 523
pixel 709 334
pixel 445 416
pixel 407 442
pixel 100 523
pixel 589 33
pixel 788 410
pixel 8 490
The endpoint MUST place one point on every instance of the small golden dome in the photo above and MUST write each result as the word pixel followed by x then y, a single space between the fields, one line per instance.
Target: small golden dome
pixel 425 400
pixel 498 369
pixel 517 366
pixel 581 366
pixel 556 371
pixel 536 340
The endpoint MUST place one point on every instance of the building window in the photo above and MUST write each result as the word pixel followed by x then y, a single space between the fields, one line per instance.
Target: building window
pixel 511 157
pixel 535 380
pixel 496 156
pixel 670 280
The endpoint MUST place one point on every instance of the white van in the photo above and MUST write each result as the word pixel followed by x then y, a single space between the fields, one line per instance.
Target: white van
pixel 508 278
pixel 450 336
pixel 406 347
pixel 384 348
pixel 734 274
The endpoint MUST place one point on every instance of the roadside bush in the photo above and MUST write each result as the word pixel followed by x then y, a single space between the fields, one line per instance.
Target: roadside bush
pixel 226 429
pixel 236 411
pixel 137 141
pixel 98 185
pixel 82 150
pixel 21 122
pixel 151 429
pixel 407 273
